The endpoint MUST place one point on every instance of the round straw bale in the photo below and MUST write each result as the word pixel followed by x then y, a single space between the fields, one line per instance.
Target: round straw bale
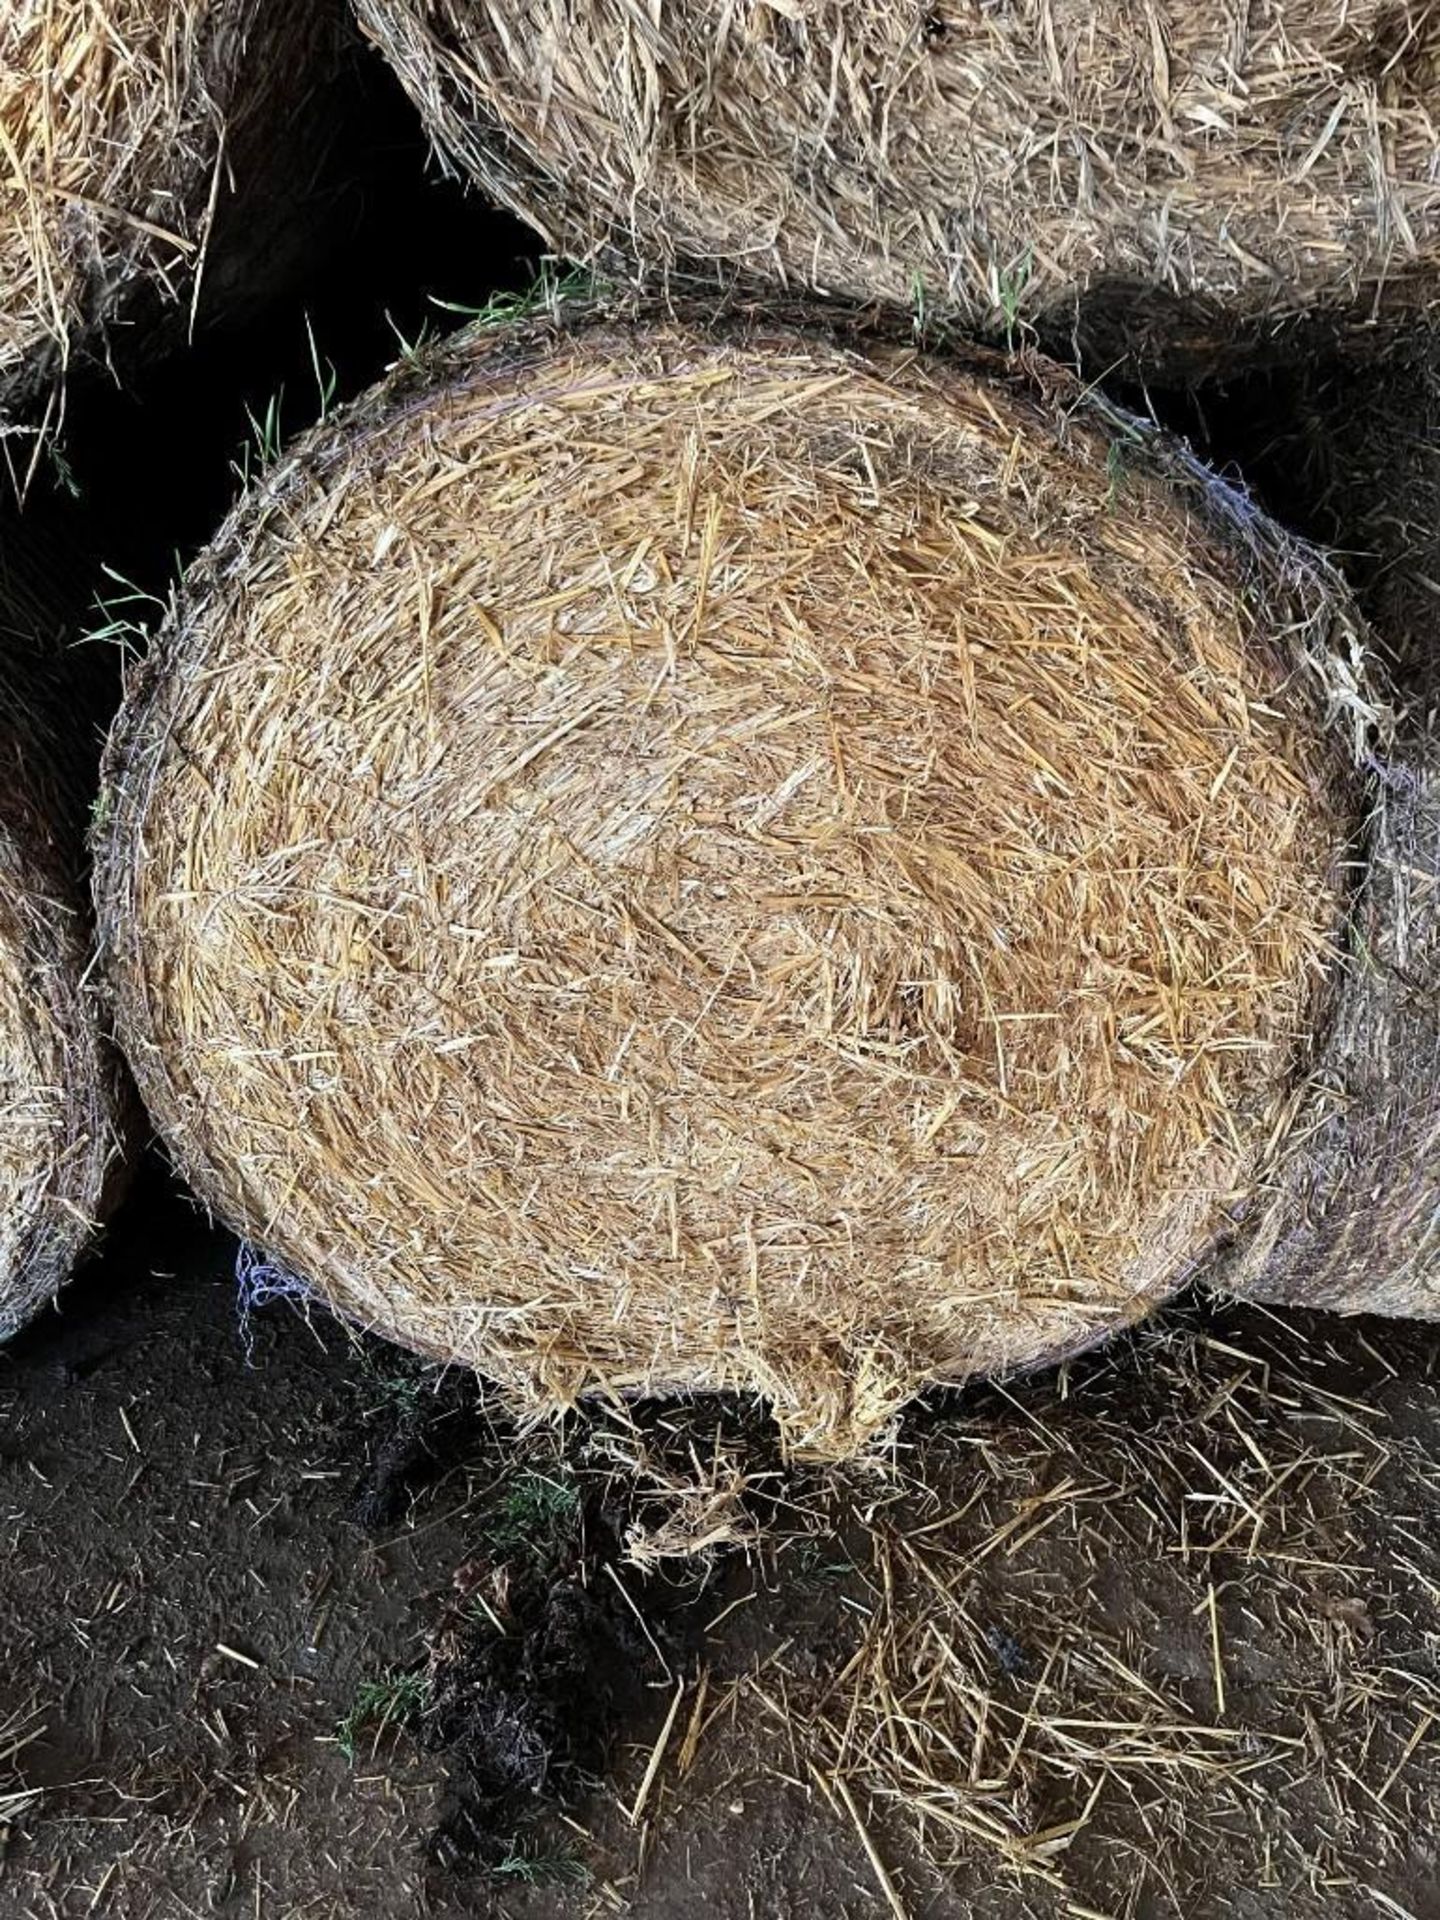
pixel 1202 173
pixel 649 857
pixel 1351 1213
pixel 62 1106
pixel 147 148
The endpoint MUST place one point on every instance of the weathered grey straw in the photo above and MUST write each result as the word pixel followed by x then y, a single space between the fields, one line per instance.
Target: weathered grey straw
pixel 650 856
pixel 1199 171
pixel 62 1107
pixel 146 151
pixel 1351 1220
pixel 1351 1215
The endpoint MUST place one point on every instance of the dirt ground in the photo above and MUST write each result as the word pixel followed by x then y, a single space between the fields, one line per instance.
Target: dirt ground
pixel 295 1628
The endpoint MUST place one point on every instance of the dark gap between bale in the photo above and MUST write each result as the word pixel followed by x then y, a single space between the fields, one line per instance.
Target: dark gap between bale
pixel 1181 181
pixel 1349 454
pixel 153 158
pixel 651 858
pixel 63 1106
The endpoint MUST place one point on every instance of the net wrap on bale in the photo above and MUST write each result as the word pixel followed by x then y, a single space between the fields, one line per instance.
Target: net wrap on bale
pixel 1351 1217
pixel 148 153
pixel 63 1108
pixel 654 855
pixel 1182 174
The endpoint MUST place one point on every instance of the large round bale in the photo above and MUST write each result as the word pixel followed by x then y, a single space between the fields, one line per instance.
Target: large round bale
pixel 148 148
pixel 1182 174
pixel 652 858
pixel 61 1101
pixel 1351 1216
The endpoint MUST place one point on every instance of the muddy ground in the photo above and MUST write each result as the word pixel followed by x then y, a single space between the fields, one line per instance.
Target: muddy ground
pixel 293 1627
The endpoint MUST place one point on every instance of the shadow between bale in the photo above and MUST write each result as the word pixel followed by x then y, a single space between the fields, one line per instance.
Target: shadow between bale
pixel 162 164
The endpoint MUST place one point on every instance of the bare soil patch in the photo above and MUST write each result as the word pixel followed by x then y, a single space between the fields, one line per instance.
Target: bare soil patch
pixel 292 1627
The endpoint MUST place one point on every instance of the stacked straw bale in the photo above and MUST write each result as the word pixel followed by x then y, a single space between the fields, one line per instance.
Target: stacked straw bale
pixel 653 856
pixel 62 1104
pixel 148 149
pixel 1352 1217
pixel 1183 174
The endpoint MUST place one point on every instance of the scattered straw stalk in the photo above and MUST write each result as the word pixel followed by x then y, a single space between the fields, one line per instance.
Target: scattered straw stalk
pixel 1054 1585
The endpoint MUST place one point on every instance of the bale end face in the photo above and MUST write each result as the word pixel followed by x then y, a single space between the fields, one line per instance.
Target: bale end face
pixel 1350 1217
pixel 662 861
pixel 60 1103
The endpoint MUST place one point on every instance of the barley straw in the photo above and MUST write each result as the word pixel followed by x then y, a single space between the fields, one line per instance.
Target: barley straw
pixel 1200 172
pixel 62 1109
pixel 652 855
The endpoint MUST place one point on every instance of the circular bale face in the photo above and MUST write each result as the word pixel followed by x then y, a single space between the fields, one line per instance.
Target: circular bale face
pixel 650 860
pixel 62 1107
pixel 1196 169
pixel 126 130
